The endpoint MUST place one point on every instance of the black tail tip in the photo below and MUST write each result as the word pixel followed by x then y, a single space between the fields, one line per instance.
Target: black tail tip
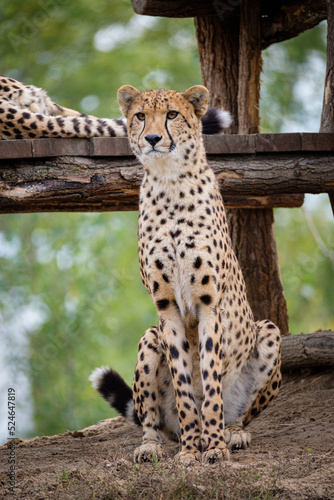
pixel 215 121
pixel 115 391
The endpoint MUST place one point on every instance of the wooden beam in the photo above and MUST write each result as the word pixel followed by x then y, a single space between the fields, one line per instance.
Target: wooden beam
pixel 279 20
pixel 78 183
pixel 178 8
pixel 308 350
pixel 284 20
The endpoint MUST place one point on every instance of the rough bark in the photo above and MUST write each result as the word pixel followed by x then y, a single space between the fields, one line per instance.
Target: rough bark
pixel 218 46
pixel 250 66
pixel 327 116
pixel 230 55
pixel 259 261
pixel 97 184
pixel 283 21
pixel 308 350
pixel 279 20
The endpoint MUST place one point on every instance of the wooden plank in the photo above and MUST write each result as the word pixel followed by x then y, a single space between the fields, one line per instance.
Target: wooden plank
pixel 266 143
pixel 214 144
pixel 15 149
pixel 48 148
pixel 318 142
pixel 229 144
pixel 110 146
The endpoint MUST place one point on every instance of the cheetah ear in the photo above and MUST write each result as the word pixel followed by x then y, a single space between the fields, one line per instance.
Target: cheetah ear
pixel 126 95
pixel 198 96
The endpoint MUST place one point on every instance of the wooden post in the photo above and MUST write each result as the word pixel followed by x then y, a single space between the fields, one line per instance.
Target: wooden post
pixel 229 48
pixel 327 116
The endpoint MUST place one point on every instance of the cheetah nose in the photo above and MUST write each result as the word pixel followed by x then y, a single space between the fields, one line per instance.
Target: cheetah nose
pixel 153 139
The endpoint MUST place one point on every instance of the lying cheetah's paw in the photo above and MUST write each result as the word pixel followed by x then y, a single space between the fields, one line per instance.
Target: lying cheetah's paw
pixel 148 452
pixel 236 438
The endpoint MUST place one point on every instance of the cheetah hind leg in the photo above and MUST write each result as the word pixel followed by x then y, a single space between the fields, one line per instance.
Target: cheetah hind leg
pixel 255 388
pixel 268 365
pixel 236 438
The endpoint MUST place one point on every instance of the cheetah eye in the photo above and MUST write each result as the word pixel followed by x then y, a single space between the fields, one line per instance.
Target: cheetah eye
pixel 172 114
pixel 140 116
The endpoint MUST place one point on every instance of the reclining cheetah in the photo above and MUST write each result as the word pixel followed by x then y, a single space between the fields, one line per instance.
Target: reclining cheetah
pixel 27 112
pixel 208 368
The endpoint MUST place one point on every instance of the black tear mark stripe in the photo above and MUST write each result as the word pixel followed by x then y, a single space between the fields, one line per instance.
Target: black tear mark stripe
pixel 172 143
pixel 141 133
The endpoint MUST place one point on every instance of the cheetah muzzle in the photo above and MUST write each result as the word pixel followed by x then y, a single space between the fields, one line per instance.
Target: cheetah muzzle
pixel 207 368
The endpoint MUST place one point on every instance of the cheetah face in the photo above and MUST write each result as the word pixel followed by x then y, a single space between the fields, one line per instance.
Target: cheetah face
pixel 163 124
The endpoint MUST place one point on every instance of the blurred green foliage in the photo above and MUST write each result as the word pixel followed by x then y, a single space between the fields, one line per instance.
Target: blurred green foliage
pixel 70 282
pixel 53 44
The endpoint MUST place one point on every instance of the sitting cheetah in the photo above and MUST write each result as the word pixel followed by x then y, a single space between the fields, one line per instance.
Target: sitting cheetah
pixel 208 368
pixel 27 112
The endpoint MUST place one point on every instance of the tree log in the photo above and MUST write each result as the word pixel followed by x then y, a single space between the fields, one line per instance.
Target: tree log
pixel 75 183
pixel 308 350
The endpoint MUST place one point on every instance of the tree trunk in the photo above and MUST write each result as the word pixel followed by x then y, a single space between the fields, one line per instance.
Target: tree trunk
pixel 327 116
pixel 230 55
pixel 218 46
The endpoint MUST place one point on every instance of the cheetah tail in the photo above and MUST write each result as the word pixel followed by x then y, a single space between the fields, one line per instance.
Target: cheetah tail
pixel 215 120
pixel 116 391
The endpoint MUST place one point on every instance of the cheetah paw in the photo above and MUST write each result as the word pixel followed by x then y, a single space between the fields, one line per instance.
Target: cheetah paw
pixel 187 458
pixel 215 455
pixel 148 452
pixel 236 438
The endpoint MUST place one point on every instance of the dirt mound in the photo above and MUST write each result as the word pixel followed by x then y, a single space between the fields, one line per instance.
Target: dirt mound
pixel 291 456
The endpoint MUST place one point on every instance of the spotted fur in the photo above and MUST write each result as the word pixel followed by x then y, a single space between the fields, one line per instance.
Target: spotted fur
pixel 27 112
pixel 208 368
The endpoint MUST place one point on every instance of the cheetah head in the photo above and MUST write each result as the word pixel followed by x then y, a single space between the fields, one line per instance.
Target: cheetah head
pixel 164 126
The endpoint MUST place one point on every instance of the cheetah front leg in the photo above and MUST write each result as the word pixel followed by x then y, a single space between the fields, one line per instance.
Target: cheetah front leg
pixel 212 439
pixel 145 395
pixel 173 335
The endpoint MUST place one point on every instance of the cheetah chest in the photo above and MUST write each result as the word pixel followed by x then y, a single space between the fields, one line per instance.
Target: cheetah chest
pixel 181 248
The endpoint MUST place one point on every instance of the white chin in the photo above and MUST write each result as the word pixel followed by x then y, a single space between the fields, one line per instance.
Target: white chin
pixel 154 154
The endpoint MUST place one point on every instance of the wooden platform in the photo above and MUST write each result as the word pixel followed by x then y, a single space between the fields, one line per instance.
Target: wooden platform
pixel 119 146
pixel 99 174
